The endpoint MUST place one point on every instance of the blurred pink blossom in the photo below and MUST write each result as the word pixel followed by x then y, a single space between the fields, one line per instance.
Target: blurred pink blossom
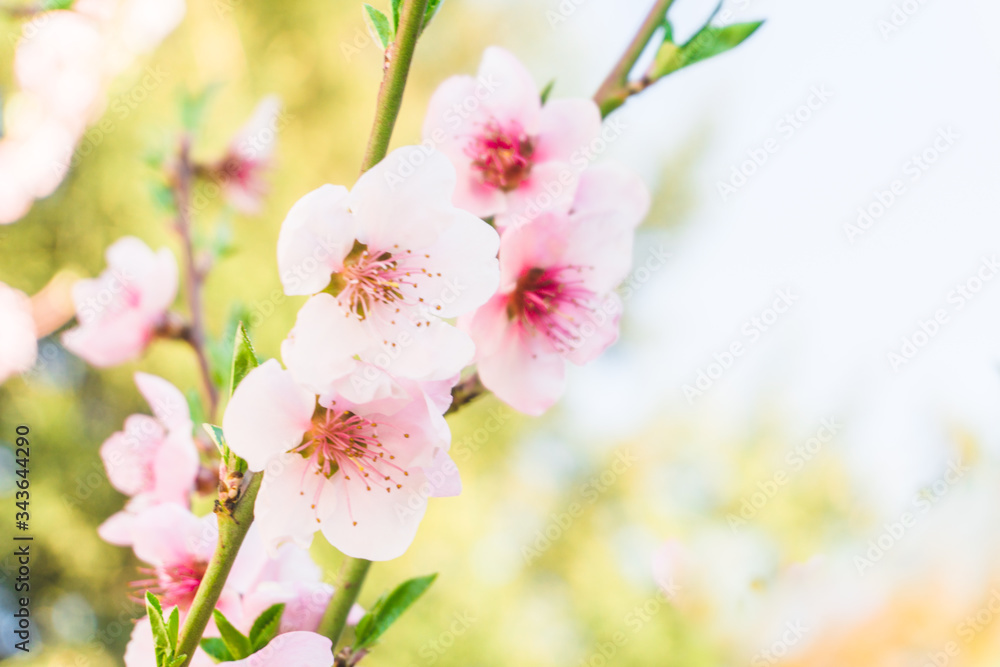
pixel 119 311
pixel 18 347
pixel 153 459
pixel 250 154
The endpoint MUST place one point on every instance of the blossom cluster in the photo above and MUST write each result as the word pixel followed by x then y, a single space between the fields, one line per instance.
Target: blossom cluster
pixel 494 247
pixel 64 64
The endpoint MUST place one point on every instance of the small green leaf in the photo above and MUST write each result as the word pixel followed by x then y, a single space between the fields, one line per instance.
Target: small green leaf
pixel 50 5
pixel 217 436
pixel 546 91
pixel 244 358
pixel 155 613
pixel 396 4
pixel 265 628
pixel 173 628
pixel 668 30
pixel 237 643
pixel 178 661
pixel 161 195
pixel 388 609
pixel 708 42
pixel 379 25
pixel 216 649
pixel 431 11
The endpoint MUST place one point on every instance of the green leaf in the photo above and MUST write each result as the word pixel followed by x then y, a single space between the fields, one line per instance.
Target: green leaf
pixel 244 358
pixel 220 349
pixel 379 24
pixel 237 643
pixel 265 628
pixel 546 91
pixel 218 437
pixel 173 628
pixel 388 609
pixel 155 613
pixel 162 195
pixel 432 7
pixel 49 5
pixel 708 42
pixel 396 4
pixel 216 649
pixel 178 661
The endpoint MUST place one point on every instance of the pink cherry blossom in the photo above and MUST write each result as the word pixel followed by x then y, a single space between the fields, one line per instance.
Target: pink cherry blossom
pixel 120 311
pixel 250 154
pixel 18 347
pixel 556 301
pixel 154 459
pixel 393 257
pixel 515 157
pixel 355 471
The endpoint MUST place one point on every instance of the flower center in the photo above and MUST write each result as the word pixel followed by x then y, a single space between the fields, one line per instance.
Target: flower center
pixel 553 302
pixel 376 278
pixel 341 441
pixel 173 584
pixel 502 157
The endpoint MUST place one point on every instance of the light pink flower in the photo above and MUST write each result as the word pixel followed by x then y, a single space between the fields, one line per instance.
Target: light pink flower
pixel 177 545
pixel 120 310
pixel 154 459
pixel 515 157
pixel 60 59
pixel 354 471
pixel 250 154
pixel 556 301
pixel 18 347
pixel 394 257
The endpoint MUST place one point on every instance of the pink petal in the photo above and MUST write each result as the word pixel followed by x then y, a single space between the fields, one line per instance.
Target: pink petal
pixel 549 189
pixel 117 529
pixel 376 524
pixel 284 509
pixel 443 476
pixel 566 130
pixel 405 200
pixel 512 93
pixel 598 332
pixel 304 603
pixel 18 347
pixel 175 469
pixel 267 415
pixel 523 374
pixel 316 235
pixel 168 534
pixel 615 191
pixel 129 455
pixel 433 351
pixel 167 402
pixel 308 353
pixel 465 256
pixel 293 649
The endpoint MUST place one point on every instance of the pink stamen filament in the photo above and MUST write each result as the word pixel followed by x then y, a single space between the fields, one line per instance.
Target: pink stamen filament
pixel 550 301
pixel 502 157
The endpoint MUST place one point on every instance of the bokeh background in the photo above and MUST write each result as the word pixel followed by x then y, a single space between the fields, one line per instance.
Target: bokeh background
pixel 814 502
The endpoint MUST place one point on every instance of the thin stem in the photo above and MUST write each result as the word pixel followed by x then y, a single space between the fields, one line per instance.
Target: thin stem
pixel 398 57
pixel 616 88
pixel 193 276
pixel 233 527
pixel 348 586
